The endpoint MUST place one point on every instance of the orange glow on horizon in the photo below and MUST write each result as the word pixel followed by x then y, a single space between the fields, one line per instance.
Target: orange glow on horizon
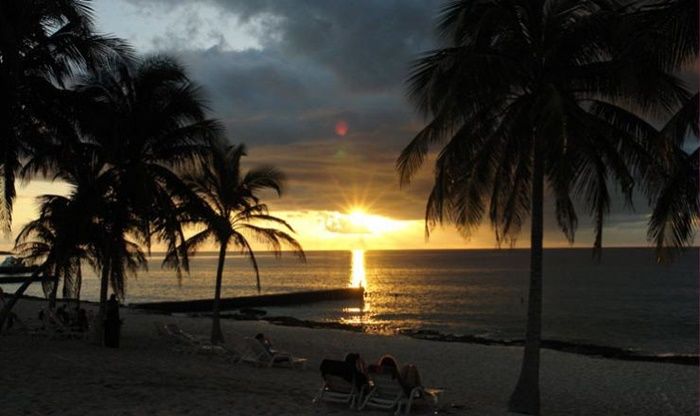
pixel 352 225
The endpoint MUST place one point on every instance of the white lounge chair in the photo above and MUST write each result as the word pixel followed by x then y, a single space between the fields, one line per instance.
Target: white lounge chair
pixel 261 357
pixel 387 392
pixel 189 343
pixel 338 390
pixel 339 384
pixel 56 329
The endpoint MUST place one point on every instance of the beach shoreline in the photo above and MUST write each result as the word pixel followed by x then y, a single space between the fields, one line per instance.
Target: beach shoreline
pixel 147 376
pixel 585 349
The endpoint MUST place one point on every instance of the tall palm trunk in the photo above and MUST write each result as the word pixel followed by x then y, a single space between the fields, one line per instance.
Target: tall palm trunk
pixel 54 292
pixel 79 284
pixel 98 325
pixel 217 336
pixel 54 289
pixel 526 397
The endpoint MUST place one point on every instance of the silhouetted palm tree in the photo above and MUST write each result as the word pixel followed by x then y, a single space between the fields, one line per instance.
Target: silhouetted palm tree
pixel 42 44
pixel 145 121
pixel 229 208
pixel 132 128
pixel 53 239
pixel 68 226
pixel 674 220
pixel 667 32
pixel 527 93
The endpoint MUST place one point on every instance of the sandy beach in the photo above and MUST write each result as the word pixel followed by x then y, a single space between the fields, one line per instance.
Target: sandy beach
pixel 147 376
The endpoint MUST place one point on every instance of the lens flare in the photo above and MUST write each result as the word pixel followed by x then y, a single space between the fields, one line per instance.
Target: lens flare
pixel 341 128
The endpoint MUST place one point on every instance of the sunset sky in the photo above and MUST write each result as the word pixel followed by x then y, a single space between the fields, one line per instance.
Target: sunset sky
pixel 317 89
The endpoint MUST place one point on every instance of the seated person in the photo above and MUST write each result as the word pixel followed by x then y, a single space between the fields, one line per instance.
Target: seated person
pixel 388 361
pixel 386 365
pixel 276 355
pixel 265 343
pixel 408 375
pixel 81 323
pixel 358 369
pixel 62 315
pixel 337 368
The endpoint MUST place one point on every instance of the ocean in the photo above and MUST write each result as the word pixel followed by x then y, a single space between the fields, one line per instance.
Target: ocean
pixel 626 300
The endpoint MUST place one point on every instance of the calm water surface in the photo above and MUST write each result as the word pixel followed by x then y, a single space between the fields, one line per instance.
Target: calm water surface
pixel 626 300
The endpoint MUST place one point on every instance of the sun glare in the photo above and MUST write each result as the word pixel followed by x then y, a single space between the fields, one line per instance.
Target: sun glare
pixel 372 223
pixel 359 278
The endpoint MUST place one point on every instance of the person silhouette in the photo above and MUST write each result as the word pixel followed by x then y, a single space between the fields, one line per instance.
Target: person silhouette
pixel 112 322
pixel 262 339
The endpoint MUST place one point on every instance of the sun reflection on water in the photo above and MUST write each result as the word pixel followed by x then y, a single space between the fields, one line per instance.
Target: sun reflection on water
pixel 357 273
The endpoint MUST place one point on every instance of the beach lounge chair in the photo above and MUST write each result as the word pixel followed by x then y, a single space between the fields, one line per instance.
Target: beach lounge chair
pixel 339 384
pixel 420 394
pixel 188 343
pixel 388 393
pixel 261 357
pixel 56 329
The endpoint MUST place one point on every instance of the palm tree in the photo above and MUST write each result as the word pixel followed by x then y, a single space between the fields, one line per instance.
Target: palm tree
pixel 227 204
pixel 65 233
pixel 68 228
pixel 529 94
pixel 145 121
pixel 667 32
pixel 42 44
pixel 137 125
pixel 674 220
pixel 54 240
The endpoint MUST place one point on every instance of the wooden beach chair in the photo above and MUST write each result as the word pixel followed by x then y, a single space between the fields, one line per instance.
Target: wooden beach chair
pixel 261 357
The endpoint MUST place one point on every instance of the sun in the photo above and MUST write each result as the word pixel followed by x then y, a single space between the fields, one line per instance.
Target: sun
pixel 372 223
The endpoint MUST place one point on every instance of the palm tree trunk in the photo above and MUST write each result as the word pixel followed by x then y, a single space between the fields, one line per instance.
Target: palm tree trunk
pixel 79 284
pixel 526 397
pixel 9 304
pixel 54 291
pixel 217 335
pixel 98 325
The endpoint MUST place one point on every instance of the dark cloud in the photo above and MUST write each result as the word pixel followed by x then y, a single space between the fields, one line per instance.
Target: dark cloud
pixel 320 62
pixel 367 44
